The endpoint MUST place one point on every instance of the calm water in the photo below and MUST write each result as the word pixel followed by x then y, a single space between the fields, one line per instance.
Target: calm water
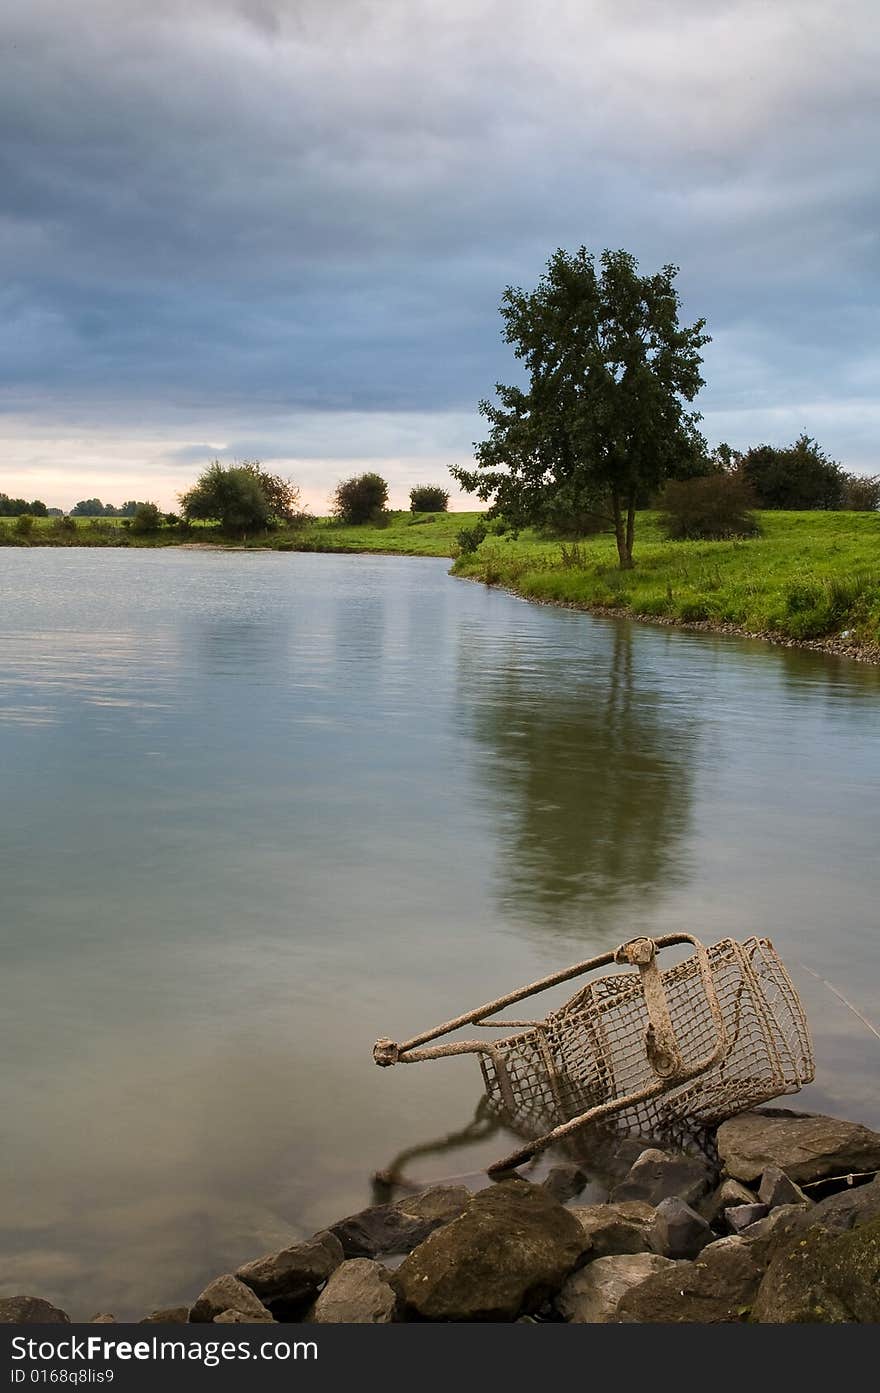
pixel 260 809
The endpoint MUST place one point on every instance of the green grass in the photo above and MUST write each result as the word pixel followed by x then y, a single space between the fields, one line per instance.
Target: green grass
pixel 404 533
pixel 808 576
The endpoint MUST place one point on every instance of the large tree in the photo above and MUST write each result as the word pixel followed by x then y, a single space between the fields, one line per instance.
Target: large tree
pixel 602 420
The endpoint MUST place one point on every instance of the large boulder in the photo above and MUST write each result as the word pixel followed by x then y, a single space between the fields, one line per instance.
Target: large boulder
pixel 610 1229
pixel 512 1248
pixel 824 1277
pixel 31 1310
pixel 227 1293
pixel 593 1294
pixel 718 1287
pixel 287 1280
pixel 399 1227
pixel 358 1293
pixel 658 1175
pixel 805 1146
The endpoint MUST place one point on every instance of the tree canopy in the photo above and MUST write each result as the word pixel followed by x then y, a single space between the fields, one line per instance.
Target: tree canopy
pixel 241 497
pixel 361 499
pixel 602 419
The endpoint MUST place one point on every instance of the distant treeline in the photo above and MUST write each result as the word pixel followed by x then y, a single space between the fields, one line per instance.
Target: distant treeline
pixel 94 508
pixel 18 507
pixel 86 508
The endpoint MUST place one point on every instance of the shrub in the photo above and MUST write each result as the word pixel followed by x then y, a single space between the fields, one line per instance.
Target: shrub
pixel 172 520
pixel 362 499
pixel 147 519
pixel 428 498
pixel 711 508
pixel 574 557
pixel 24 527
pixel 861 493
pixel 800 476
pixel 469 538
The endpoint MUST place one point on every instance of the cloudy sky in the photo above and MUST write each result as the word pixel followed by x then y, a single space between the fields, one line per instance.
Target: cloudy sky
pixel 281 228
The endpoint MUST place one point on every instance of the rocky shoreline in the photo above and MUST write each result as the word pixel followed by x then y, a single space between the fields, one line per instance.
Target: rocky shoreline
pixel 782 1226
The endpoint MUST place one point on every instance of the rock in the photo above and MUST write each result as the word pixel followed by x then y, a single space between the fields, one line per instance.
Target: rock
pixel 718 1287
pixel 657 1175
pixel 804 1146
pixel 227 1293
pixel 727 1194
pixel 239 1318
pixel 742 1215
pixel 399 1227
pixel 824 1277
pixel 358 1293
pixel 776 1188
pixel 102 1318
pixel 31 1310
pixel 565 1182
pixel 677 1231
pixel 168 1315
pixel 512 1247
pixel 592 1295
pixel 293 1276
pixel 611 1229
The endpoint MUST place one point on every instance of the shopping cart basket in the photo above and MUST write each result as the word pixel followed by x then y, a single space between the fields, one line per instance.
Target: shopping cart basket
pixel 691 1043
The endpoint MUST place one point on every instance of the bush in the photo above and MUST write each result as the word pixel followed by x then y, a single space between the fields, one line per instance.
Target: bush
pixel 712 508
pixel 428 498
pixel 861 493
pixel 147 519
pixel 469 538
pixel 799 477
pixel 362 499
pixel 24 527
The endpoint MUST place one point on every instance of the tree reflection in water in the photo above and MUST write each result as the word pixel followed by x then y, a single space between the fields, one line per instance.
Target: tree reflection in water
pixel 587 764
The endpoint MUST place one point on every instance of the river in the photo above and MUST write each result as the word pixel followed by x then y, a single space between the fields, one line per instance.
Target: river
pixel 259 809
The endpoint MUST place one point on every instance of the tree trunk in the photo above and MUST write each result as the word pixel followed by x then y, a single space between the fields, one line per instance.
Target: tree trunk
pixel 630 530
pixel 623 531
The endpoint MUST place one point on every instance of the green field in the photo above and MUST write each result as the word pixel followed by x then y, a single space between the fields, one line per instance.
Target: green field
pixel 808 576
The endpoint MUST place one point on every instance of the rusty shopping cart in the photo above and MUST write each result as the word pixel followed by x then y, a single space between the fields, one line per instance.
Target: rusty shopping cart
pixel 692 1043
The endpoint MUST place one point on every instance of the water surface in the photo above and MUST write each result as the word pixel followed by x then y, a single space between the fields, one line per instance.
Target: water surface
pixel 258 809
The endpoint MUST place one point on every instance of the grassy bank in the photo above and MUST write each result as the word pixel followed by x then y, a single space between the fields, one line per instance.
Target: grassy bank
pixel 808 577
pixel 400 533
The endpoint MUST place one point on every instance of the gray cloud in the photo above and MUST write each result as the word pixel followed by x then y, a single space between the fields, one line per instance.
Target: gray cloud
pixel 241 215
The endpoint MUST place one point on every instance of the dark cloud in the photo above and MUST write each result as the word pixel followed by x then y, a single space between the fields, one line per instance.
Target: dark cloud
pixel 239 211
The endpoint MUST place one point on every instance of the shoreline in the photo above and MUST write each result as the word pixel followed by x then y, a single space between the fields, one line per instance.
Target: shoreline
pixel 831 647
pixel 776 1221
